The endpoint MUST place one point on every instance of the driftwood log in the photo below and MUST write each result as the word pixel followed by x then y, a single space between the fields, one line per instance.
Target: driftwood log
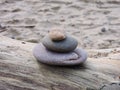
pixel 19 70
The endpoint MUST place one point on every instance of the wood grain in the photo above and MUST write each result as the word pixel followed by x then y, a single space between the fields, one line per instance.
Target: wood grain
pixel 19 70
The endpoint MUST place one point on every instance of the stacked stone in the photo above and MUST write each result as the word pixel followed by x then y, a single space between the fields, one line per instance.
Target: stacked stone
pixel 58 41
pixel 59 48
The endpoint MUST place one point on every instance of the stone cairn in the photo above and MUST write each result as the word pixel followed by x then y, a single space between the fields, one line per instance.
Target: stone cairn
pixel 59 48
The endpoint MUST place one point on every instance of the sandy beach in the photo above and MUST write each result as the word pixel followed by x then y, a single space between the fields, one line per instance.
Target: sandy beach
pixel 95 23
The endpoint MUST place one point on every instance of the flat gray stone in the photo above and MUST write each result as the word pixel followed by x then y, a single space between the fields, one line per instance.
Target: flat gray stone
pixel 112 86
pixel 66 45
pixel 46 56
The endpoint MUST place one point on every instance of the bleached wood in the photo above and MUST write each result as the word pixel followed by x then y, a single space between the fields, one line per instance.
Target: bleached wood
pixel 19 70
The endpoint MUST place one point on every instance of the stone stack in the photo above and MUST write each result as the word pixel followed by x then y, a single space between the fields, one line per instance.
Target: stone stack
pixel 59 48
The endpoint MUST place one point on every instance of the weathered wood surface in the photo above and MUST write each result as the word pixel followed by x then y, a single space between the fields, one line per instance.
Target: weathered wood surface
pixel 19 70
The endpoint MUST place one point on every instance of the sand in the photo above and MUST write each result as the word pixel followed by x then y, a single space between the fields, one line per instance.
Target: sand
pixel 95 23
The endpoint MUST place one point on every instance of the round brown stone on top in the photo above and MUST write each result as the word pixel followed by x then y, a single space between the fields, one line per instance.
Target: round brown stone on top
pixel 57 34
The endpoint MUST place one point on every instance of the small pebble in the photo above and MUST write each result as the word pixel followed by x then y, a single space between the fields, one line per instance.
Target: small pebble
pixel 103 30
pixel 62 20
pixel 23 43
pixel 57 35
pixel 2 27
pixel 13 37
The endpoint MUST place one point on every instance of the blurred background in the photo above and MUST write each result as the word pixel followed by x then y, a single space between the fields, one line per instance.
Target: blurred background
pixel 95 23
